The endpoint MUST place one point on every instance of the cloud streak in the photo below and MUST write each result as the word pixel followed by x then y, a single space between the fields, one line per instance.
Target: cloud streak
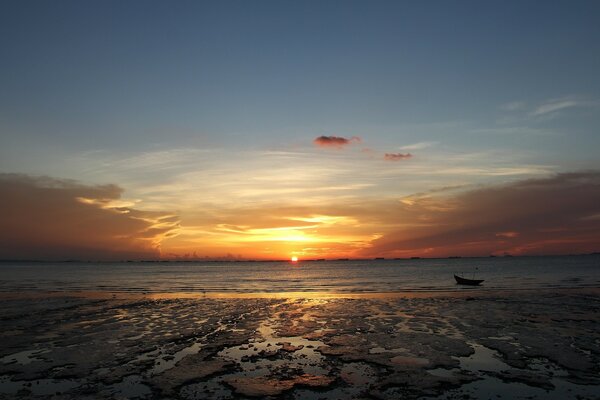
pixel 397 156
pixel 553 105
pixel 336 142
pixel 418 146
pixel 53 219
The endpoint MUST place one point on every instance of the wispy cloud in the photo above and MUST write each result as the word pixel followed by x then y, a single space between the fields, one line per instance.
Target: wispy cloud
pixel 507 235
pixel 554 105
pixel 335 141
pixel 397 156
pixel 418 146
pixel 547 108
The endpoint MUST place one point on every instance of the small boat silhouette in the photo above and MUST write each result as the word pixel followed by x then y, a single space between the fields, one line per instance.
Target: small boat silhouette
pixel 464 281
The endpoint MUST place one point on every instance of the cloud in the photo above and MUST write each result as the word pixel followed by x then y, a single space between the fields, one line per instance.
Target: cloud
pixel 52 219
pixel 554 105
pixel 276 230
pixel 548 108
pixel 418 146
pixel 507 234
pixel 396 156
pixel 537 216
pixel 335 141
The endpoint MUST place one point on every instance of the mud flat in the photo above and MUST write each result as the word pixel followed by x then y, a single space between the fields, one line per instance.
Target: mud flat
pixel 506 345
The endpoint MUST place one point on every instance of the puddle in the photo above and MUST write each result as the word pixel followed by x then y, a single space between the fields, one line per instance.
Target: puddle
pixel 486 361
pixel 265 354
pixel 102 371
pixel 379 350
pixel 24 357
pixel 38 387
pixel 358 374
pixel 164 360
pixel 491 388
pixel 131 387
pixel 136 337
pixel 206 390
pixel 357 377
pixel 168 361
pixel 442 372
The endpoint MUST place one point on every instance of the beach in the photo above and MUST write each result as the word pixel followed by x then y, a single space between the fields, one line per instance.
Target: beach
pixel 450 345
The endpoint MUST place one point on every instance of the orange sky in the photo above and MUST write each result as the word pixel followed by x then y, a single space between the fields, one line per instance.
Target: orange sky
pixel 45 218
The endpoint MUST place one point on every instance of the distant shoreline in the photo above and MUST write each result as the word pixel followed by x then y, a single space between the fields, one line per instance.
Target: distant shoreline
pixel 174 261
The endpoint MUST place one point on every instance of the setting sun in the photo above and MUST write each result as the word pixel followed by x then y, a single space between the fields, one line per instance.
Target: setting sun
pixel 294 259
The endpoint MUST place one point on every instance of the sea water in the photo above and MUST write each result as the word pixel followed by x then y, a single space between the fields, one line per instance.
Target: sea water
pixel 351 276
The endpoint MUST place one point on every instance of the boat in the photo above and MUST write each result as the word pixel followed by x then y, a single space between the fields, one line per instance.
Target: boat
pixel 464 281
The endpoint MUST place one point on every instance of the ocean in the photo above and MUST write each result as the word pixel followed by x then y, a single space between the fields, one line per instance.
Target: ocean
pixel 353 276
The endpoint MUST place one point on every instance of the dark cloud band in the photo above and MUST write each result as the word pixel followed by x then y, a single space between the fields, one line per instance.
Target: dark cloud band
pixel 43 218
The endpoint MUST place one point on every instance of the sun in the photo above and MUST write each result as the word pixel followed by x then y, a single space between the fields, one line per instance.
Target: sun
pixel 294 259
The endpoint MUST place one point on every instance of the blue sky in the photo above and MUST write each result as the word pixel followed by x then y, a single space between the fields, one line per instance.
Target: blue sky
pixel 190 104
pixel 131 73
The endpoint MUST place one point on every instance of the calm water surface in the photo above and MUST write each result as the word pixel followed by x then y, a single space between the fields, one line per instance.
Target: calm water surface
pixel 315 276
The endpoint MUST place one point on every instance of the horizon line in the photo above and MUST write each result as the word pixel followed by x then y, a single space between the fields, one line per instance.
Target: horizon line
pixel 594 253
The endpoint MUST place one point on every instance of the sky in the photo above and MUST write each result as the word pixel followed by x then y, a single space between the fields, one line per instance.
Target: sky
pixel 271 129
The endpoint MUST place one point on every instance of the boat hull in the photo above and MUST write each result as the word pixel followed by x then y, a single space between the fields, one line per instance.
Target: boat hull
pixel 464 281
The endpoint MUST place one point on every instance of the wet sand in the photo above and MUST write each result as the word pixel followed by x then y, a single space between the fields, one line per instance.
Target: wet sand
pixel 523 344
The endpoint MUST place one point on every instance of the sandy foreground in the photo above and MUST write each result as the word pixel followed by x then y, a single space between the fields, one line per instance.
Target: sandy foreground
pixel 477 346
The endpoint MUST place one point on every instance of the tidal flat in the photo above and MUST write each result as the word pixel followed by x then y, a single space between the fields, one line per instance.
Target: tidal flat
pixel 521 344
